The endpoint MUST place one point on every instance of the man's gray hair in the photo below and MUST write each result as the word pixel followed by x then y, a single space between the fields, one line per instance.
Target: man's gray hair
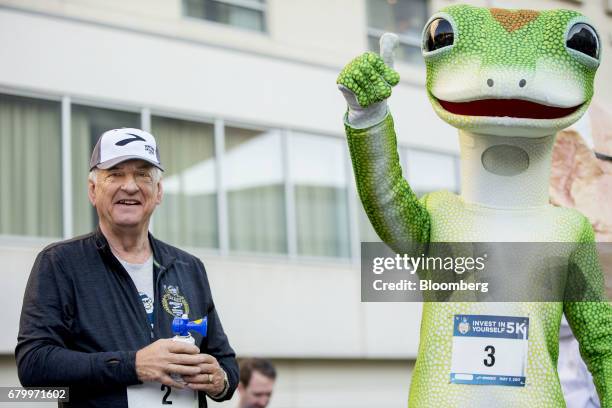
pixel 156 174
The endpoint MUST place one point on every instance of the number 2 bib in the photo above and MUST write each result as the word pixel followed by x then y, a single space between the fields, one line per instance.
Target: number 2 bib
pixel 489 350
pixel 153 395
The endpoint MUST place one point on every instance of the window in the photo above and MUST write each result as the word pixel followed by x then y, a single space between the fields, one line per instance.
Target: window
pixel 253 178
pixel 283 192
pixel 317 170
pixel 188 212
pixel 366 230
pixel 249 14
pixel 428 171
pixel 406 18
pixel 30 167
pixel 88 124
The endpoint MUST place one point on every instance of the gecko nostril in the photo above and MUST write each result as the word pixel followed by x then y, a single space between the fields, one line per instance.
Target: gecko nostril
pixel 522 83
pixel 490 82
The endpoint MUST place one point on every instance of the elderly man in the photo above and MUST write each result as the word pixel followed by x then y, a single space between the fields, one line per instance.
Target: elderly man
pixel 257 377
pixel 98 309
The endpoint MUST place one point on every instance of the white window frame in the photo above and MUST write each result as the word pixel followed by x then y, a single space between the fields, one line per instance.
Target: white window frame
pixel 16 240
pixel 146 113
pixel 405 160
pixel 403 38
pixel 407 40
pixel 249 4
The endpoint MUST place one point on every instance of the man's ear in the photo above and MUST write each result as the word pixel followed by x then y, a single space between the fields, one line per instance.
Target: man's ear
pixel 160 193
pixel 91 192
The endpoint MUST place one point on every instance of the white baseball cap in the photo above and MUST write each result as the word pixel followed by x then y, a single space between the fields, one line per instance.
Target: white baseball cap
pixel 118 145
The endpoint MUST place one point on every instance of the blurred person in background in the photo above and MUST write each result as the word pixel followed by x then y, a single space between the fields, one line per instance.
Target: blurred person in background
pixel 581 178
pixel 257 377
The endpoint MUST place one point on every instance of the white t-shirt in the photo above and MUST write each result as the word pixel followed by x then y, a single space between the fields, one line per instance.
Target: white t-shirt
pixel 142 276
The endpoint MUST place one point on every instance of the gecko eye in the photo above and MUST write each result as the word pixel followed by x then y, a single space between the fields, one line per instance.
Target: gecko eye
pixel 582 38
pixel 438 34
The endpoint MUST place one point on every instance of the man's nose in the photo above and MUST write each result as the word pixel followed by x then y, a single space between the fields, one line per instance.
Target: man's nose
pixel 129 184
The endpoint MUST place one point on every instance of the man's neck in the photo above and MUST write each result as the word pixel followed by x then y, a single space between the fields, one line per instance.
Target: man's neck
pixel 129 245
pixel 505 172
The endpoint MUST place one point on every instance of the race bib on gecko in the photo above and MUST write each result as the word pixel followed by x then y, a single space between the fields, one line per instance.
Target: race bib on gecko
pixel 154 395
pixel 489 350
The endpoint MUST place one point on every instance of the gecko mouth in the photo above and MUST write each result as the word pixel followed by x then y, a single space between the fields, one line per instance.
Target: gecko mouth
pixel 514 108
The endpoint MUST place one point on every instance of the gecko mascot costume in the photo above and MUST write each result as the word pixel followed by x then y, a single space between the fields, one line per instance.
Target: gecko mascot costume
pixel 509 81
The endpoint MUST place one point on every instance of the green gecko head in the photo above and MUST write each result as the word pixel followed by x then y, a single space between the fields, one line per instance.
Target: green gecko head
pixel 510 73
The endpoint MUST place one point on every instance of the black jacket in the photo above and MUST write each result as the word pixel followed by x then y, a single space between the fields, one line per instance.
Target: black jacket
pixel 82 319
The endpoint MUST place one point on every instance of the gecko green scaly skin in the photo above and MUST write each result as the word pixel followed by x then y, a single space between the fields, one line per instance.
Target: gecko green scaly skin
pixel 369 78
pixel 536 52
pixel 399 216
pixel 533 84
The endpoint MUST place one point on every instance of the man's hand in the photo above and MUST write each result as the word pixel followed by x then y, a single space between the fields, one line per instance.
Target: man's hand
pixel 164 357
pixel 211 379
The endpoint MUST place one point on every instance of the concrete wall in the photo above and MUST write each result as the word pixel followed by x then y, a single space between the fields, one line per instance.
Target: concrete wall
pixel 171 73
pixel 313 32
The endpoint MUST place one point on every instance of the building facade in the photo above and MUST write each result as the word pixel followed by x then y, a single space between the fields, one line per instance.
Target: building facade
pixel 241 96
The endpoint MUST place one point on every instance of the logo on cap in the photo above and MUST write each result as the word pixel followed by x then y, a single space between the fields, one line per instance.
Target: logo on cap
pixel 129 140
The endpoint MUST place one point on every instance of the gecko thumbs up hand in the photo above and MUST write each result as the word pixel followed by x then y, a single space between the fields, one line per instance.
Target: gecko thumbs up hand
pixel 388 44
pixel 368 79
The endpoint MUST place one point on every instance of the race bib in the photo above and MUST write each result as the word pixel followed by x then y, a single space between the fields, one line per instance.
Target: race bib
pixel 489 350
pixel 153 395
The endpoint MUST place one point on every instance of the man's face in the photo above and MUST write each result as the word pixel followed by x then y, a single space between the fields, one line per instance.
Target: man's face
pixel 257 394
pixel 125 195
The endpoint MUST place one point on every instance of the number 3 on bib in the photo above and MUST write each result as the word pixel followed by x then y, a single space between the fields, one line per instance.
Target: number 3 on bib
pixel 489 350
